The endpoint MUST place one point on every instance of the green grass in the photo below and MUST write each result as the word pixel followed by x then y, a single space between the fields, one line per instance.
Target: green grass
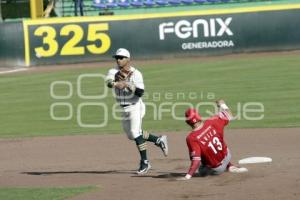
pixel 41 193
pixel 272 81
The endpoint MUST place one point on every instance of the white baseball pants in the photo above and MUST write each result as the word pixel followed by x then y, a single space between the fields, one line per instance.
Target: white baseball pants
pixel 132 117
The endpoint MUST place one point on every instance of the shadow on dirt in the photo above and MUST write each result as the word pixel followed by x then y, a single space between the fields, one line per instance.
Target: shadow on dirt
pixel 164 175
pixel 78 172
pixel 171 176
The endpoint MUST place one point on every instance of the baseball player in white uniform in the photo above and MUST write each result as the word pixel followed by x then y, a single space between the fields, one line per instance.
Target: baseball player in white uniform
pixel 128 86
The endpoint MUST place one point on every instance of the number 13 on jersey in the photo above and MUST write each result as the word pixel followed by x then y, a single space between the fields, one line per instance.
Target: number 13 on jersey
pixel 215 145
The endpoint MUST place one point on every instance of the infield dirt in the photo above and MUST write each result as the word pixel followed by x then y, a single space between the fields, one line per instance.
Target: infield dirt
pixel 109 162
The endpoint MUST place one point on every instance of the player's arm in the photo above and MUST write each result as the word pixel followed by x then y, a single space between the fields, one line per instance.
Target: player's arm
pixel 195 164
pixel 120 85
pixel 137 86
pixel 195 157
pixel 110 78
pixel 224 111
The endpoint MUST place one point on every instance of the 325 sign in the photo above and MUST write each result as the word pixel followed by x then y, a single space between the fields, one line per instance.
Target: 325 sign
pixel 75 34
pixel 46 42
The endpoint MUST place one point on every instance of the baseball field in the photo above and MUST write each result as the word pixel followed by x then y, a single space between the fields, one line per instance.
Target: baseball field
pixel 61 136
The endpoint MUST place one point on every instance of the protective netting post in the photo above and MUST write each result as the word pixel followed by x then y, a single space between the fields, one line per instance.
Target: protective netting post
pixel 0 11
pixel 36 9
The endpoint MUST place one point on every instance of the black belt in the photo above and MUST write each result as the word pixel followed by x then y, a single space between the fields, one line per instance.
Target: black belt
pixel 125 105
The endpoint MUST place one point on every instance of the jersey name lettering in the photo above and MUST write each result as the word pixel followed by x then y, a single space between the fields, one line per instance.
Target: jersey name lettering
pixel 206 135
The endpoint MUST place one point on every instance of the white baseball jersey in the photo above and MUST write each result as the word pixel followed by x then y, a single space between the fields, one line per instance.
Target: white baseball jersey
pixel 133 106
pixel 125 96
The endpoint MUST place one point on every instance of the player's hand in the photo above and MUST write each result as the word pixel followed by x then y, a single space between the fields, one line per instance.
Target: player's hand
pixel 120 76
pixel 220 102
pixel 185 178
pixel 120 85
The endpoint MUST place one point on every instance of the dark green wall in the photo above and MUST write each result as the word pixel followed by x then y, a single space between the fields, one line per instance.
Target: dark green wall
pixel 71 38
pixel 11 44
pixel 15 9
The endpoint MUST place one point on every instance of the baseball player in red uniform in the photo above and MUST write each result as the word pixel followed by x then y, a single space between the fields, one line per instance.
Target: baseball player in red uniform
pixel 207 148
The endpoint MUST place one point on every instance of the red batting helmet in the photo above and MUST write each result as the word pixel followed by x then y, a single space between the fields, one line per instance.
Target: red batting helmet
pixel 192 116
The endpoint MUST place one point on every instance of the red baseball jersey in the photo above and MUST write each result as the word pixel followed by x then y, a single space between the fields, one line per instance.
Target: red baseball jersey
pixel 207 143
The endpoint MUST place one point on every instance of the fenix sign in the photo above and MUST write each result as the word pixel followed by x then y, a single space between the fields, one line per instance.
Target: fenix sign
pixel 214 27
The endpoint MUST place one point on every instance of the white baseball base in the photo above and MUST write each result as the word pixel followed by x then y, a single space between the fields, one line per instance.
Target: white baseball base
pixel 251 160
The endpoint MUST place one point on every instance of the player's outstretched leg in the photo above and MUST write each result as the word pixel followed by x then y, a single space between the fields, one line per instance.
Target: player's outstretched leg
pixel 234 169
pixel 144 164
pixel 237 170
pixel 160 141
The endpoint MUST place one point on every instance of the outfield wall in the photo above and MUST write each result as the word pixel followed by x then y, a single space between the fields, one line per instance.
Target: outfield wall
pixel 11 44
pixel 86 39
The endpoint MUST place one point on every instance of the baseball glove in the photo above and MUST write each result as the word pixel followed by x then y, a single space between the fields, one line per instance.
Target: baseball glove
pixel 122 76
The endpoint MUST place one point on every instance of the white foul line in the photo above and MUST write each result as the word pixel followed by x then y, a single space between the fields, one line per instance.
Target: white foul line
pixel 13 71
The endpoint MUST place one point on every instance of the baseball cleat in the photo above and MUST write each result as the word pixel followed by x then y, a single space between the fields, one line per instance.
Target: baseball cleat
pixel 236 170
pixel 144 167
pixel 163 144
